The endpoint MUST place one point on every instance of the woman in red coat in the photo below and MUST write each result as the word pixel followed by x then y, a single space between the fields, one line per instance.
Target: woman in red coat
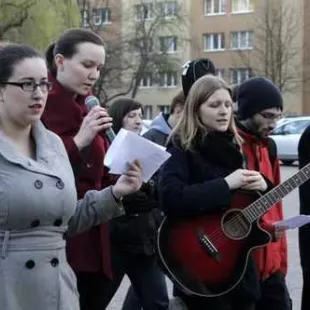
pixel 74 62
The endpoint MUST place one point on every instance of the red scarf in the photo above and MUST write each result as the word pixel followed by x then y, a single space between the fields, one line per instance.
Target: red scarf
pixel 257 155
pixel 272 257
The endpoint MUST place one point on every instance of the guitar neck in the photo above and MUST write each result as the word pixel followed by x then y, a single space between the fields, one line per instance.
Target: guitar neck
pixel 264 203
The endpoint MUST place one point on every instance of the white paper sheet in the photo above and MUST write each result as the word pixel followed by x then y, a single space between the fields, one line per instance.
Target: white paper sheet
pixel 128 146
pixel 294 222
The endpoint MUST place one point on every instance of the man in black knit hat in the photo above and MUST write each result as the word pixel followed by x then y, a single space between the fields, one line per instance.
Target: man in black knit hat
pixel 260 105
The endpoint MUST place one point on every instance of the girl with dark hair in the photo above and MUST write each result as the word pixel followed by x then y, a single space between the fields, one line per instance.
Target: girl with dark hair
pixel 133 235
pixel 39 205
pixel 74 63
pixel 126 113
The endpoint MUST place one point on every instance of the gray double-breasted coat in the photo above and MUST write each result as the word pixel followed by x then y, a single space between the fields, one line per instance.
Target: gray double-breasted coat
pixel 38 208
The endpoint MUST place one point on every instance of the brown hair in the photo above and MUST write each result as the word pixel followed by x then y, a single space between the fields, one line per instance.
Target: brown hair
pixel 190 125
pixel 67 45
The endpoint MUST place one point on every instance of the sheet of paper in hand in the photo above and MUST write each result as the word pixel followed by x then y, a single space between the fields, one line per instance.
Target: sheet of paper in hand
pixel 294 222
pixel 128 146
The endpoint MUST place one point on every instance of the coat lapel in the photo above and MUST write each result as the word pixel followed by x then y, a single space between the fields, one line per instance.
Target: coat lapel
pixel 45 152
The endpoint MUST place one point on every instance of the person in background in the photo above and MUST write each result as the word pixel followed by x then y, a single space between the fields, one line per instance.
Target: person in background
pixel 304 231
pixel 133 234
pixel 193 70
pixel 39 206
pixel 159 131
pixel 260 105
pixel 162 124
pixel 202 174
pixel 74 63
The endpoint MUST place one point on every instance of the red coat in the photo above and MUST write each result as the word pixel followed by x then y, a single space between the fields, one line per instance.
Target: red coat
pixel 272 257
pixel 89 251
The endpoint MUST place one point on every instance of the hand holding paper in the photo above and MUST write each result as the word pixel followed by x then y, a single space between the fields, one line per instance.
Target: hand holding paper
pixel 294 222
pixel 127 147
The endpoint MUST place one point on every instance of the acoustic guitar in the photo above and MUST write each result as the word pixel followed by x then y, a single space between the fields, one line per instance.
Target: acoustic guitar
pixel 207 255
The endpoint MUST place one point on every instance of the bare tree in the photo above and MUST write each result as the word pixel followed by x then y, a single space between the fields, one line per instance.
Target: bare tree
pixel 275 50
pixel 13 14
pixel 139 50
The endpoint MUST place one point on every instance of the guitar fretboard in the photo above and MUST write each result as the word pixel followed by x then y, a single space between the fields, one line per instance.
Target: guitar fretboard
pixel 264 203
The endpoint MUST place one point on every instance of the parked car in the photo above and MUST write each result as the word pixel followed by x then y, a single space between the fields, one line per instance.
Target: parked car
pixel 286 136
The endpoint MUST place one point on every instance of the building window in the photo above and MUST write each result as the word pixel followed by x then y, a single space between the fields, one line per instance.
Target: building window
pixel 101 16
pixel 168 44
pixel 146 80
pixel 168 9
pixel 144 11
pixel 220 73
pixel 214 7
pixel 168 79
pixel 238 75
pixel 84 16
pixel 241 40
pixel 214 41
pixel 164 109
pixel 148 112
pixel 242 6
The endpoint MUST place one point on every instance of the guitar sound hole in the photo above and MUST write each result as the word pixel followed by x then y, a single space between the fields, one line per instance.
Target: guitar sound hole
pixel 235 225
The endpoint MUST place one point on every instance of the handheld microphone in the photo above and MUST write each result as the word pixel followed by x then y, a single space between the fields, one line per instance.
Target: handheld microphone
pixel 92 101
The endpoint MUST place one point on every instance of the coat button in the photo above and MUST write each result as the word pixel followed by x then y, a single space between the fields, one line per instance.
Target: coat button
pixel 35 223
pixel 30 264
pixel 38 184
pixel 54 262
pixel 60 184
pixel 89 165
pixel 58 222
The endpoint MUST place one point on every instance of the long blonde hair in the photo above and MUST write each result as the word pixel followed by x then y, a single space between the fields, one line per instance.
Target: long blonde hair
pixel 190 124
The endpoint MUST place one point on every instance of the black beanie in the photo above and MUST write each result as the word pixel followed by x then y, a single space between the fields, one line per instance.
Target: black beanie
pixel 195 69
pixel 255 95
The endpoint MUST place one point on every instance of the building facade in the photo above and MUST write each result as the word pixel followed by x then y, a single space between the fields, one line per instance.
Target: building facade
pixel 247 38
pixel 243 38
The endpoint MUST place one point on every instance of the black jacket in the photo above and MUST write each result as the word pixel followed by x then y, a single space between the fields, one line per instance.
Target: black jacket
pixel 135 232
pixel 192 183
pixel 304 195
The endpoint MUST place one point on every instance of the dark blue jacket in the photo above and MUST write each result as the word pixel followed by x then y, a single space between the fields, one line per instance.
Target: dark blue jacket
pixel 193 182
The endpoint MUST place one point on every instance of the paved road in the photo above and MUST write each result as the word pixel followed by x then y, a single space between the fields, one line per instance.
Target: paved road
pixel 291 207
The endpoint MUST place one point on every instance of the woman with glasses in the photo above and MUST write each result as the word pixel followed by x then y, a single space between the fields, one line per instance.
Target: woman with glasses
pixel 74 63
pixel 39 207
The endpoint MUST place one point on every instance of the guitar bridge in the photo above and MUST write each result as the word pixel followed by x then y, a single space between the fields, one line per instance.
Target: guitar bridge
pixel 207 245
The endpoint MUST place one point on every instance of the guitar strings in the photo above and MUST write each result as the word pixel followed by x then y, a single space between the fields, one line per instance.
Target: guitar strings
pixel 217 235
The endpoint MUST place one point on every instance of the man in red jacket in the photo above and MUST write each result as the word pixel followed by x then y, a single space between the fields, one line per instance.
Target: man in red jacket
pixel 260 105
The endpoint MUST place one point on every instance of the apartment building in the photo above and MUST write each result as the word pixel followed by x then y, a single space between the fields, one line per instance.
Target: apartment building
pixel 306 57
pixel 157 89
pixel 232 33
pixel 237 36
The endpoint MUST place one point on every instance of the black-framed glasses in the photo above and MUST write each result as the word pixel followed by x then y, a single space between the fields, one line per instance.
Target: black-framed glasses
pixel 31 86
pixel 271 116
